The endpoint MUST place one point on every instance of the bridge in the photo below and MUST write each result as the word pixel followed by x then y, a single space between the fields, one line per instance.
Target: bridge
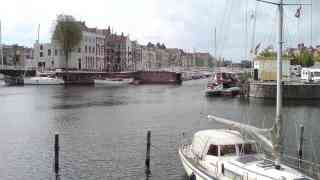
pixel 15 71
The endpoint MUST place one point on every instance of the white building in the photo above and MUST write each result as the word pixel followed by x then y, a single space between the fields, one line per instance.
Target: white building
pixel 267 69
pixel 148 58
pixel 89 55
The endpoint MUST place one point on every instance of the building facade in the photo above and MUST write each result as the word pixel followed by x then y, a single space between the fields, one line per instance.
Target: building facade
pixel 87 56
pixel 104 50
pixel 15 55
pixel 149 58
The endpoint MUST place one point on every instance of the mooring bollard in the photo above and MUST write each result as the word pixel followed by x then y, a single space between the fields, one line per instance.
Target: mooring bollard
pixel 147 162
pixel 56 155
pixel 300 148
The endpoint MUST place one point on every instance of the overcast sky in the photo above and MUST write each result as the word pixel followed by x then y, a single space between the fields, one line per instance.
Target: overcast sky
pixel 185 24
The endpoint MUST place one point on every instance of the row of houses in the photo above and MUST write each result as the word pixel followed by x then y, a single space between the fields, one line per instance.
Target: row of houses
pixel 15 55
pixel 104 50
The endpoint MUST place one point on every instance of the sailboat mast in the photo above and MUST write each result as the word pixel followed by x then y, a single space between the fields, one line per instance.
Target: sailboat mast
pixel 215 42
pixel 1 48
pixel 279 83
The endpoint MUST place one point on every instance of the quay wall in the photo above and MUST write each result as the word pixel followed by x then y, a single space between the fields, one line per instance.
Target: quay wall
pixel 140 77
pixel 157 77
pixel 290 90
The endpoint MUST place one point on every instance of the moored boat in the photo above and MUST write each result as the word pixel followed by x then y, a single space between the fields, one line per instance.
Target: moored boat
pixel 225 154
pixel 233 154
pixel 113 81
pixel 221 91
pixel 39 80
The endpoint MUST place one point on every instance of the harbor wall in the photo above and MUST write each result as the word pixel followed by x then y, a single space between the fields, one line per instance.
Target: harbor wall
pixel 158 77
pixel 140 77
pixel 290 90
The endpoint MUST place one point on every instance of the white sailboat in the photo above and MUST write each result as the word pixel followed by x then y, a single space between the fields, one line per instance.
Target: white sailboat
pixel 227 154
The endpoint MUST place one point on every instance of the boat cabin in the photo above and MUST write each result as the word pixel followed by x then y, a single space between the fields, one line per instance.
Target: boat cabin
pixel 221 143
pixel 224 76
pixel 310 74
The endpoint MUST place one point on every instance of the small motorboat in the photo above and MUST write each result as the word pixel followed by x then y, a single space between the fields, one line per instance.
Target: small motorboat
pixel 214 90
pixel 42 81
pixel 220 90
pixel 113 81
pixel 233 91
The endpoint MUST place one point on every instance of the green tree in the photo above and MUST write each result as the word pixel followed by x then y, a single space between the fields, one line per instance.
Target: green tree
pixel 316 57
pixel 306 58
pixel 67 33
pixel 267 54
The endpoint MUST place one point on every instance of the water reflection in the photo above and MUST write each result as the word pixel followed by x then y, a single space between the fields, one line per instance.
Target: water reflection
pixel 103 130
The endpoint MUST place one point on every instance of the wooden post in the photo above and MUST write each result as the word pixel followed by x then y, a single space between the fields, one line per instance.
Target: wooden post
pixel 56 156
pixel 300 148
pixel 147 162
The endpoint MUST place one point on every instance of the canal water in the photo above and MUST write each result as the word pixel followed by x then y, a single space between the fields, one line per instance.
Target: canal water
pixel 103 130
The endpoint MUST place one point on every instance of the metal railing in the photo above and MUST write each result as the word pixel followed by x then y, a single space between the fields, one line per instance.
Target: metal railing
pixel 309 168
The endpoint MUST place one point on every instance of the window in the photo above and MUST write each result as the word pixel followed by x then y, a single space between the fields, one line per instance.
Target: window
pixel 49 52
pixel 55 52
pixel 247 149
pixel 93 50
pixel 41 47
pixel 85 49
pixel 79 50
pixel 89 49
pixel 213 150
pixel 41 54
pixel 226 150
pixel 316 73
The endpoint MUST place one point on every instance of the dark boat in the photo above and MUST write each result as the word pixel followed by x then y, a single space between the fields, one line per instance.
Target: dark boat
pixel 223 84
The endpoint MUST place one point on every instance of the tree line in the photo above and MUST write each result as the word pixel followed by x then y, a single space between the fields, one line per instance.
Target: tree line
pixel 303 57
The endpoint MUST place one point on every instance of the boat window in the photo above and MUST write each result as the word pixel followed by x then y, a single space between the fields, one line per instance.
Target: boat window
pixel 213 150
pixel 316 74
pixel 226 150
pixel 247 149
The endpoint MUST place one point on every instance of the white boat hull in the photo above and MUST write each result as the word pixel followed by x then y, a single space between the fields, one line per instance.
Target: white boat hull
pixel 190 168
pixel 110 82
pixel 42 81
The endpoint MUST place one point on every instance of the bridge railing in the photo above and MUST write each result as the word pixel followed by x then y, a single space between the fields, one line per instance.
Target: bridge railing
pixel 20 68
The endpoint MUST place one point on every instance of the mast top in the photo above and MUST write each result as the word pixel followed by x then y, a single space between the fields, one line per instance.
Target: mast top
pixel 285 4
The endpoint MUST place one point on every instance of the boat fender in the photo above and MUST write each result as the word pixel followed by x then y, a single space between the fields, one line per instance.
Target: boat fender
pixel 222 168
pixel 192 177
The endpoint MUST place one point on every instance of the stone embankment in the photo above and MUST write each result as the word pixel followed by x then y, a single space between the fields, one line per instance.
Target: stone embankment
pixel 140 77
pixel 290 90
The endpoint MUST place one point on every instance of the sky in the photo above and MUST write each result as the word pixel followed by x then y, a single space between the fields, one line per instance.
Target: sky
pixel 185 24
